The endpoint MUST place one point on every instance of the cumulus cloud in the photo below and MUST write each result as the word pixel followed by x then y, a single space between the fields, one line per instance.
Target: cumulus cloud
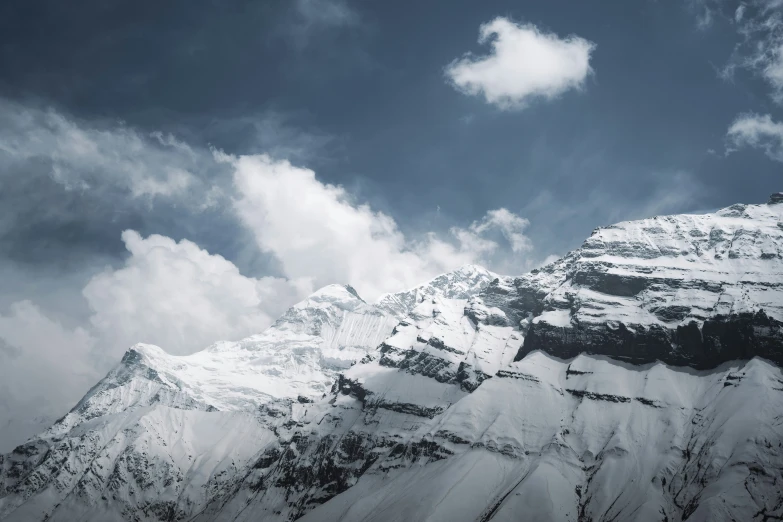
pixel 179 296
pixel 182 298
pixel 759 132
pixel 317 231
pixel 525 63
pixel 174 292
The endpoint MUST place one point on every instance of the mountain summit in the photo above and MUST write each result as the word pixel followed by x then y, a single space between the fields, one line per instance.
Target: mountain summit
pixel 636 378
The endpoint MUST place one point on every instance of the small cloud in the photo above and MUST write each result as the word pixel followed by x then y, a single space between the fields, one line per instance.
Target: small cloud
pixel 509 224
pixel 329 13
pixel 525 63
pixel 311 16
pixel 467 119
pixel 760 25
pixel 704 19
pixel 756 131
pixel 739 13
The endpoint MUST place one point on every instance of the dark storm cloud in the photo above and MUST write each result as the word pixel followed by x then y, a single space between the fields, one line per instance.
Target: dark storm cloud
pixel 69 188
pixel 110 113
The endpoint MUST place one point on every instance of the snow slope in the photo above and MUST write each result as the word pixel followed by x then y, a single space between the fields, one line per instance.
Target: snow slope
pixel 589 439
pixel 636 378
pixel 119 452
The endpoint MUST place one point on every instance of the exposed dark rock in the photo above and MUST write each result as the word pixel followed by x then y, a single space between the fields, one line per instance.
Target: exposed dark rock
pixel 570 372
pixel 583 394
pixel 404 407
pixel 718 340
pixel 505 374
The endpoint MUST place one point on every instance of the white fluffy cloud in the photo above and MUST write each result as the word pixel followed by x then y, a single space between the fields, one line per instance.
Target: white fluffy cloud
pixel 318 232
pixel 757 131
pixel 525 63
pixel 182 298
pixel 175 293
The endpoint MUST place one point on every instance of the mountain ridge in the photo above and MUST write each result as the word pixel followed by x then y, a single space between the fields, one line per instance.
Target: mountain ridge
pixel 636 378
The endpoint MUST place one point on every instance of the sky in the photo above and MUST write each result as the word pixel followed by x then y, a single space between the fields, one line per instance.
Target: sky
pixel 180 173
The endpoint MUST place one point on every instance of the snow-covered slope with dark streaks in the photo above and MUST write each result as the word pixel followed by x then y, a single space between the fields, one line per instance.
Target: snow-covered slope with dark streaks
pixel 122 452
pixel 636 378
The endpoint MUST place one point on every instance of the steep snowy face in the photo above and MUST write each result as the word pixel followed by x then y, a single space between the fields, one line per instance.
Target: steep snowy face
pixel 454 341
pixel 463 283
pixel 380 410
pixel 582 439
pixel 128 450
pixel 687 289
pixel 413 433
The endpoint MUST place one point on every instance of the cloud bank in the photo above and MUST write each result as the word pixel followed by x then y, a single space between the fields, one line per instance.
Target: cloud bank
pixel 319 233
pixel 181 297
pixel 759 132
pixel 525 63
pixel 173 292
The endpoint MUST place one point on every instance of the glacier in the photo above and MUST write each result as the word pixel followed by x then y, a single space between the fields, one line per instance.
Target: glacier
pixel 636 378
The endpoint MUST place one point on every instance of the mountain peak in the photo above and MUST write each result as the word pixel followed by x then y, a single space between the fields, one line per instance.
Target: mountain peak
pixel 552 378
pixel 335 291
pixel 461 283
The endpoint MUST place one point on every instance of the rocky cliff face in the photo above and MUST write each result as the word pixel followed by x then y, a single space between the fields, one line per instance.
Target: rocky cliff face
pixel 695 290
pixel 636 378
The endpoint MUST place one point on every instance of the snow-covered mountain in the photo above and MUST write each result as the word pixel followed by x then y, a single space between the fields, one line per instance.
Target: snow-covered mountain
pixel 636 378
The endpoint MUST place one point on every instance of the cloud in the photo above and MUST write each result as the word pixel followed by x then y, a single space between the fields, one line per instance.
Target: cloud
pixel 758 132
pixel 172 294
pixel 509 224
pixel 330 13
pixel 59 337
pixel 182 298
pixel 83 157
pixel 525 63
pixel 45 368
pixel 760 25
pixel 316 16
pixel 318 231
pixel 70 186
pixel 739 13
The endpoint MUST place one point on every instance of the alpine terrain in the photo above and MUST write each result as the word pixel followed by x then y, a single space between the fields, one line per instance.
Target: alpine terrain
pixel 636 378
